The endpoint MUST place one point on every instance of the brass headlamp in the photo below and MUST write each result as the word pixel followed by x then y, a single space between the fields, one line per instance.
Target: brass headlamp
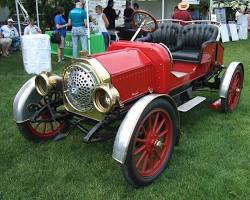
pixel 47 82
pixel 105 97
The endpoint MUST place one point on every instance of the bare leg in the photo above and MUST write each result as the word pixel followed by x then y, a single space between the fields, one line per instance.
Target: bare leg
pixel 3 48
pixel 62 53
pixel 59 54
pixel 8 47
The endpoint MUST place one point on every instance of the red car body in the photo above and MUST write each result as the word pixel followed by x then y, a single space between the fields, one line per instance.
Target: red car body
pixel 127 62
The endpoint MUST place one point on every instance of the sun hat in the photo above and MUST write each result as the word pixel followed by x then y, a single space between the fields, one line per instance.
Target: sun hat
pixel 10 20
pixel 184 5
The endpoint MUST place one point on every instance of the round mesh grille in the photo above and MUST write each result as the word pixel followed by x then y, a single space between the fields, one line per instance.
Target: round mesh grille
pixel 79 83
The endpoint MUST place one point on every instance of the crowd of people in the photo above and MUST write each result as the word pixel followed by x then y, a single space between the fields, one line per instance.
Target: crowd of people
pixel 102 19
pixel 9 36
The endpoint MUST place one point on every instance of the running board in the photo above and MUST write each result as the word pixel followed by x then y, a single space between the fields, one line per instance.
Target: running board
pixel 178 74
pixel 191 103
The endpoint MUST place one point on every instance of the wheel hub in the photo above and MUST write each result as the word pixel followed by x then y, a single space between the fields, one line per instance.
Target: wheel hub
pixel 153 142
pixel 158 143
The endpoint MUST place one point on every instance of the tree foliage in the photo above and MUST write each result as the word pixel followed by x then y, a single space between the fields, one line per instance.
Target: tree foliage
pixel 47 9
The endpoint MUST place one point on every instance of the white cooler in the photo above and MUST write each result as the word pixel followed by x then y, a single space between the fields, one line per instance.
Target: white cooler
pixel 36 53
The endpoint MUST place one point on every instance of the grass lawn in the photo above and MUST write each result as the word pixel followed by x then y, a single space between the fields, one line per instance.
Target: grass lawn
pixel 211 162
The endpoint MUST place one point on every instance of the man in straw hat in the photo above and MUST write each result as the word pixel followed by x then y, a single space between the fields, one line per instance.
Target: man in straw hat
pixel 181 13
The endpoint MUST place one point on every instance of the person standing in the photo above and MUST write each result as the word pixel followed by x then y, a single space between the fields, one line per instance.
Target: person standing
pixel 61 28
pixel 78 21
pixel 248 19
pixel 136 6
pixel 32 28
pixel 9 31
pixel 102 22
pixel 128 12
pixel 181 13
pixel 111 15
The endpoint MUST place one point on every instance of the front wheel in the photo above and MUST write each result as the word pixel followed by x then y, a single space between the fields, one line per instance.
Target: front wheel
pixel 152 143
pixel 43 127
pixel 234 91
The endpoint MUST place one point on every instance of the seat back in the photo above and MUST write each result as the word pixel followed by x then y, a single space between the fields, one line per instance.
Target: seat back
pixel 194 35
pixel 169 34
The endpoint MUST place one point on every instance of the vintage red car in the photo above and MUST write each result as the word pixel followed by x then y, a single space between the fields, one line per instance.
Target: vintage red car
pixel 144 84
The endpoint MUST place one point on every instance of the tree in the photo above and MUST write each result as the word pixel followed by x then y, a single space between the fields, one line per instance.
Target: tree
pixel 47 9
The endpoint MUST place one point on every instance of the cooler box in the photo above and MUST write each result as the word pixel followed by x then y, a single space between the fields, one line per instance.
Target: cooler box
pixel 36 53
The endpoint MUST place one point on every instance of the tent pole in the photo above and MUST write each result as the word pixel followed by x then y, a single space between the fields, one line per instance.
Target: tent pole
pixel 18 18
pixel 210 9
pixel 37 14
pixel 162 10
pixel 88 28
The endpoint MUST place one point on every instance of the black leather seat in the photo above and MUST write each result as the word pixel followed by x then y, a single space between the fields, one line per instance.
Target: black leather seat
pixel 185 42
pixel 168 34
pixel 193 37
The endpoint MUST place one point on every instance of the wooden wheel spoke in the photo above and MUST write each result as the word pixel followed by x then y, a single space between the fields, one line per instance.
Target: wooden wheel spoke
pixel 156 120
pixel 51 126
pixel 151 160
pixel 157 154
pixel 140 159
pixel 145 163
pixel 141 148
pixel 143 130
pixel 162 133
pixel 44 128
pixel 36 127
pixel 140 140
pixel 160 125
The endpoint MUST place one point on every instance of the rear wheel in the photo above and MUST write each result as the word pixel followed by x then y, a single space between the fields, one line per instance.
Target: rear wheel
pixel 43 127
pixel 234 91
pixel 152 143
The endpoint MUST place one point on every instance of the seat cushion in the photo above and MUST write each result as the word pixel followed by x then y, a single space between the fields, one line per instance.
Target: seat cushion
pixel 187 55
pixel 194 35
pixel 169 34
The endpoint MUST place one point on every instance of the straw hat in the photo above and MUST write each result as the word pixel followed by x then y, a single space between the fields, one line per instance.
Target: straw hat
pixel 184 5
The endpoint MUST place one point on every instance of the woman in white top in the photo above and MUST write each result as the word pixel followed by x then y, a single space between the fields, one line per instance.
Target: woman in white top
pixel 102 22
pixel 32 28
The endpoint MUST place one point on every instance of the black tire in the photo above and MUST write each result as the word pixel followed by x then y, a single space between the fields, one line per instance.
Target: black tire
pixel 131 174
pixel 227 104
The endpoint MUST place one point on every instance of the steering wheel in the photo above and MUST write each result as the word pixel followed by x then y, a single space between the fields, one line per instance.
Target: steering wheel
pixel 145 21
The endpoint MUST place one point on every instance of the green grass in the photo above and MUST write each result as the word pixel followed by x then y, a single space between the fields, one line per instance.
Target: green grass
pixel 211 162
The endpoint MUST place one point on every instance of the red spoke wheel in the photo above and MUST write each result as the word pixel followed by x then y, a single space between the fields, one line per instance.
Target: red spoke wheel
pixel 43 129
pixel 234 91
pixel 151 144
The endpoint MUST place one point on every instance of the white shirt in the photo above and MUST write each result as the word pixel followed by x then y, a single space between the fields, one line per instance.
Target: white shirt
pixel 100 22
pixel 237 14
pixel 31 30
pixel 9 32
